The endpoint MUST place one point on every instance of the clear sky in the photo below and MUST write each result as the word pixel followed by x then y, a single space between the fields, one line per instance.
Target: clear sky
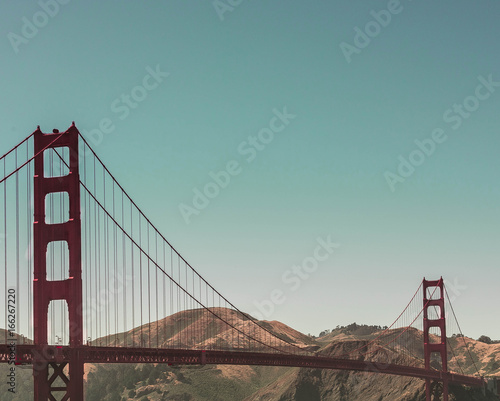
pixel 371 124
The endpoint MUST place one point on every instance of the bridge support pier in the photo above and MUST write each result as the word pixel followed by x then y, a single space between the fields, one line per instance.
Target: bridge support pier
pixel 51 374
pixel 434 390
pixel 431 346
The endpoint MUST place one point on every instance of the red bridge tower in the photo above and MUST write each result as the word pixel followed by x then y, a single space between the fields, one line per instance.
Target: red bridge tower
pixel 432 389
pixel 47 371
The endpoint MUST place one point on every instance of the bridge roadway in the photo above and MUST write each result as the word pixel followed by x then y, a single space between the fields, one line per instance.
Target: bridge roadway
pixel 89 354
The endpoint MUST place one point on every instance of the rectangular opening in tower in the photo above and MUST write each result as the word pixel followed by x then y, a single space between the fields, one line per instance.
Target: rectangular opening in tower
pixel 433 293
pixel 57 260
pixel 435 335
pixel 434 312
pixel 436 361
pixel 57 208
pixel 58 323
pixel 56 162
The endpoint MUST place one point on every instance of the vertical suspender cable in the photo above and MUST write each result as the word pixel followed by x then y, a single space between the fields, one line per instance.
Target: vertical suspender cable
pixel 148 290
pixel 115 278
pixel 61 258
pixel 88 252
pixel 52 255
pixel 140 277
pixel 132 264
pixel 164 314
pixel 85 262
pixel 179 301
pixel 172 290
pixel 18 267
pixel 96 253
pixel 29 243
pixel 106 263
pixel 156 292
pixel 99 276
pixel 124 278
pixel 5 238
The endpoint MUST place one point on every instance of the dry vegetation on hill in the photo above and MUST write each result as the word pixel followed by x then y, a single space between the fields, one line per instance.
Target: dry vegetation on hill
pixel 256 383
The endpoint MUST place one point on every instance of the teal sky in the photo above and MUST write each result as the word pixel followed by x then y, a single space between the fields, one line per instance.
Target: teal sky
pixel 324 174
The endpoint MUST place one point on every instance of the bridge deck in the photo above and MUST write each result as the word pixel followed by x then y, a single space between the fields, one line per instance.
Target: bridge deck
pixel 27 353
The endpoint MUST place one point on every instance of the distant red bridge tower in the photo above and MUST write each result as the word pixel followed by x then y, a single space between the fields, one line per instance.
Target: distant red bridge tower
pixel 430 348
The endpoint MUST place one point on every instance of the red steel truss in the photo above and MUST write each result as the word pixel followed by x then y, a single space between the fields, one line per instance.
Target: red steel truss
pixel 89 354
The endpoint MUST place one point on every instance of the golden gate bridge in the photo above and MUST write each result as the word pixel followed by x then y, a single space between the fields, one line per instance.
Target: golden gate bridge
pixel 88 278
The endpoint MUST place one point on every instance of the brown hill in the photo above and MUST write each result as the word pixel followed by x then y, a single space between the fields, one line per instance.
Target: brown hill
pixel 200 329
pixel 197 329
pixel 329 385
pixel 484 357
